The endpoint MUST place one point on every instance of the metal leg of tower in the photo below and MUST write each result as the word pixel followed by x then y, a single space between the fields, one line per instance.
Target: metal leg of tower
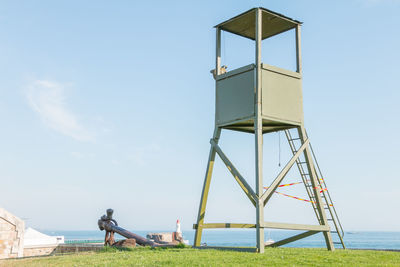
pixel 206 188
pixel 315 187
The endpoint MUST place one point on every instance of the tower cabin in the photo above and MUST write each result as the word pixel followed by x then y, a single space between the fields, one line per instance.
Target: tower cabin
pixel 281 90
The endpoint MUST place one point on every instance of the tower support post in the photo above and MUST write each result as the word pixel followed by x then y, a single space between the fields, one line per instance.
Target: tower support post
pixel 298 49
pixel 258 127
pixel 316 188
pixel 206 188
pixel 211 157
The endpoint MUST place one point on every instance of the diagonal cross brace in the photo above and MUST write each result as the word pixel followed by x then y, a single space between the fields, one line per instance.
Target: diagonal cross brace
pixel 292 239
pixel 271 189
pixel 238 177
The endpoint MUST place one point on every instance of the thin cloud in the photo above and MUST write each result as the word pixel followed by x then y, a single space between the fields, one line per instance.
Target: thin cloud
pixel 47 99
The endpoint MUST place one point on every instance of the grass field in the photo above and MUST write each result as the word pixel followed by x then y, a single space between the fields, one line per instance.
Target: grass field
pixel 194 257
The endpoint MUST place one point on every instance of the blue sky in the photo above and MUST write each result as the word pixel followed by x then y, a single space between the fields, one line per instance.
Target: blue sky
pixel 112 105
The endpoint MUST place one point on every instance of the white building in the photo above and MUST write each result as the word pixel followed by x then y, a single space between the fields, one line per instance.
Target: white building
pixel 33 238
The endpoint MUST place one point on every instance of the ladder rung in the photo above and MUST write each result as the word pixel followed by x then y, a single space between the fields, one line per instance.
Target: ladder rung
pixel 302 162
pixel 294 139
pixel 334 232
pixel 329 219
pixel 337 243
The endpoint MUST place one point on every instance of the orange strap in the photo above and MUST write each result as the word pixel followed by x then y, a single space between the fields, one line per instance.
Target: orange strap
pixel 282 185
pixel 306 200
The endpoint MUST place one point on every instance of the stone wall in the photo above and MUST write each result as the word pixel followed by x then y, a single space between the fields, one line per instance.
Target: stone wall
pixel 76 248
pixel 39 251
pixel 11 235
pixel 35 251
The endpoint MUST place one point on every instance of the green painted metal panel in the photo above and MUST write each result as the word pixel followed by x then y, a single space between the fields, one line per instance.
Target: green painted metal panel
pixel 282 99
pixel 235 97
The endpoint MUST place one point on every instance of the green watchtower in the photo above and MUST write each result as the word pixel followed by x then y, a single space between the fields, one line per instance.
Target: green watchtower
pixel 259 99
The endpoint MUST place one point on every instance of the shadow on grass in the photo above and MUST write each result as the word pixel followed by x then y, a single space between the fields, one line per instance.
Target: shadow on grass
pixel 116 249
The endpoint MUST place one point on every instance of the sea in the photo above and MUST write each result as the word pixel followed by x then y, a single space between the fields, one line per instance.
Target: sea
pixel 247 237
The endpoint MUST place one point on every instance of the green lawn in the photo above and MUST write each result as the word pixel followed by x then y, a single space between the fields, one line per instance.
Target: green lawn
pixel 194 257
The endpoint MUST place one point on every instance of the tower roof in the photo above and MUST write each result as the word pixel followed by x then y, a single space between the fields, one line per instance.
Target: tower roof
pixel 272 23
